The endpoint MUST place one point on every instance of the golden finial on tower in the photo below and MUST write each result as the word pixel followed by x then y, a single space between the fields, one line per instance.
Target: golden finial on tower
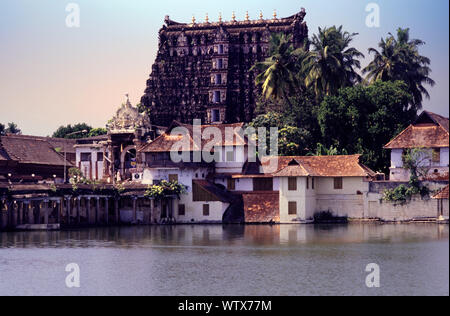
pixel 233 17
pixel 193 19
pixel 207 18
pixel 261 16
pixel 275 14
pixel 247 17
pixel 220 17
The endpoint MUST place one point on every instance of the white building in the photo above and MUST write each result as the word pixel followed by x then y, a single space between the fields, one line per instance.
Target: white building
pixel 431 133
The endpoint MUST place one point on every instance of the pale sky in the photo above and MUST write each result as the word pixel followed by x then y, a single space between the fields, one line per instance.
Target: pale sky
pixel 52 75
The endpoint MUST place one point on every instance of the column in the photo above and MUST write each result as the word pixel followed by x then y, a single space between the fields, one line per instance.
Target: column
pixel 30 213
pixel 68 210
pixel 97 211
pixel 46 203
pixel 107 211
pixel 78 210
pixel 59 210
pixel 116 211
pixel 88 210
pixel 10 214
pixel 37 212
pixel 19 213
pixel 1 214
pixel 134 210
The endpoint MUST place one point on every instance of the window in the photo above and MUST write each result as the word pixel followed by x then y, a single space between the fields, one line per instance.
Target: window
pixel 173 178
pixel 292 183
pixel 205 209
pixel 220 49
pixel 292 208
pixel 220 64
pixel 215 117
pixel 181 210
pixel 436 155
pixel 263 184
pixel 99 156
pixel 218 79
pixel 230 154
pixel 338 183
pixel 231 184
pixel 86 156
pixel 216 97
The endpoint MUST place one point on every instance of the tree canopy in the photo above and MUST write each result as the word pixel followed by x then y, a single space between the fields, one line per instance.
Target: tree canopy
pixel 12 128
pixel 65 131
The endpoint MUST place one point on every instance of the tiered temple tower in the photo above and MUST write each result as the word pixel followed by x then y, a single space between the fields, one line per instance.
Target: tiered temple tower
pixel 202 70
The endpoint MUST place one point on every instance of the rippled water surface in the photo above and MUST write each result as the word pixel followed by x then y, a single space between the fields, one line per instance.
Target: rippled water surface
pixel 229 260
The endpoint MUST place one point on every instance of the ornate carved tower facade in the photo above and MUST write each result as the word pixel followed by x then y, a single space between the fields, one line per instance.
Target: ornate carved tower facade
pixel 202 71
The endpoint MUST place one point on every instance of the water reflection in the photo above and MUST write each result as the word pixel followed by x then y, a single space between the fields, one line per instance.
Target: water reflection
pixel 227 235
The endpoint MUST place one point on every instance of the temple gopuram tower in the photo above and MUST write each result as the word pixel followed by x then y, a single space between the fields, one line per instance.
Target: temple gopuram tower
pixel 202 70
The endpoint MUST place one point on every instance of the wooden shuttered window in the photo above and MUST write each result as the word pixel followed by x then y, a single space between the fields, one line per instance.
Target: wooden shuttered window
pixel 231 184
pixel 181 210
pixel 292 184
pixel 205 209
pixel 173 178
pixel 292 208
pixel 263 184
pixel 338 183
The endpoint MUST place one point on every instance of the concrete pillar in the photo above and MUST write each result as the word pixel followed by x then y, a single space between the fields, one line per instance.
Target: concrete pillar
pixel 97 211
pixel 68 209
pixel 1 214
pixel 116 211
pixel 59 210
pixel 19 212
pixel 88 210
pixel 134 210
pixel 78 210
pixel 107 211
pixel 30 213
pixel 10 214
pixel 37 212
pixel 46 203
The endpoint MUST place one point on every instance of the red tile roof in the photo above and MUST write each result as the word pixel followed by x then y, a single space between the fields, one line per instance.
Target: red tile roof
pixel 261 207
pixel 31 150
pixel 321 166
pixel 429 131
pixel 443 194
pixel 166 142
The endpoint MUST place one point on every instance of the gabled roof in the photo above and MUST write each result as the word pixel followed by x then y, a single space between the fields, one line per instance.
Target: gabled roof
pixel 324 166
pixel 56 143
pixel 30 150
pixel 166 142
pixel 443 194
pixel 430 130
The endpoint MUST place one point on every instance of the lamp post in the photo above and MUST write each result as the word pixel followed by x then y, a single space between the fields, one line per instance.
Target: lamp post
pixel 65 152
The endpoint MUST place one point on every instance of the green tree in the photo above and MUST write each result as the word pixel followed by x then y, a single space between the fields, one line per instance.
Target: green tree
pixel 278 74
pixel 2 130
pixel 11 129
pixel 331 64
pixel 97 132
pixel 292 140
pixel 362 119
pixel 63 131
pixel 399 59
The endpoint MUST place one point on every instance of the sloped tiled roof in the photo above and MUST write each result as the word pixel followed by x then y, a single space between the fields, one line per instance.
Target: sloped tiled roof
pixel 324 166
pixel 443 194
pixel 31 150
pixel 220 194
pixel 56 143
pixel 429 131
pixel 166 141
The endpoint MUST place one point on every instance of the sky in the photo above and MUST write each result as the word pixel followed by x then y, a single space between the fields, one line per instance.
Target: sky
pixel 53 75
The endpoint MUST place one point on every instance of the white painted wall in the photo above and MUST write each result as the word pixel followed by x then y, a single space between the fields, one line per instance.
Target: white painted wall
pixel 397 158
pixel 85 166
pixel 351 185
pixel 240 157
pixel 444 157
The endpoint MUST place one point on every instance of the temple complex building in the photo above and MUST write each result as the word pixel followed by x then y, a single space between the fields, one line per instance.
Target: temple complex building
pixel 202 70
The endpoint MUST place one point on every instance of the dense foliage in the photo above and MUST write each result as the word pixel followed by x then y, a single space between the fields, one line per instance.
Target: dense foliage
pixel 12 128
pixel 322 106
pixel 82 130
pixel 165 189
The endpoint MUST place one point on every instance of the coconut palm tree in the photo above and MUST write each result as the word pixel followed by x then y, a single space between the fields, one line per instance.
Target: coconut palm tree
pixel 332 62
pixel 399 59
pixel 278 74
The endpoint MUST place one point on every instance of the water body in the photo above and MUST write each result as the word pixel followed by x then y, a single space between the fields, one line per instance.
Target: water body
pixel 229 260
